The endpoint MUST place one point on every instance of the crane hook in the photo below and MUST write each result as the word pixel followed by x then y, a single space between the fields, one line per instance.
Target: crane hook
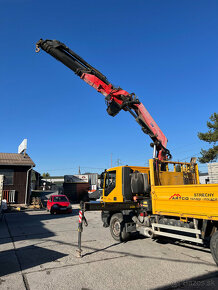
pixel 37 48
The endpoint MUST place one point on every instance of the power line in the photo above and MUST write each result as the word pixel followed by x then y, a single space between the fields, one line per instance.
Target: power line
pixel 177 152
pixel 75 168
pixel 186 145
pixel 188 157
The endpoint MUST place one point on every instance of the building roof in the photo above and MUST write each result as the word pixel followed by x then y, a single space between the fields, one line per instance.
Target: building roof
pixel 55 177
pixel 16 159
pixel 203 173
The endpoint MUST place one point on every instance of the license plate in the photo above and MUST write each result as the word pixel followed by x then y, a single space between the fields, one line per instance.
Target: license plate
pixel 63 208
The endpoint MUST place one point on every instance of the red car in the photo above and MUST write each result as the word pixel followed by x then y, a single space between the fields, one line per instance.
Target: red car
pixel 59 203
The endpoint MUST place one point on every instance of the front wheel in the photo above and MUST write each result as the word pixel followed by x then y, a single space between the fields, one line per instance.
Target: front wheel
pixel 214 247
pixel 53 210
pixel 117 228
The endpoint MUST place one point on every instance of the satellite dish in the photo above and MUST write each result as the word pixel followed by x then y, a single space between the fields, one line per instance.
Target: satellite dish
pixel 22 147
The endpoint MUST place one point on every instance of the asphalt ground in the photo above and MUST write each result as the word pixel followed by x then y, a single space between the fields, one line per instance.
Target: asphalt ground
pixel 38 251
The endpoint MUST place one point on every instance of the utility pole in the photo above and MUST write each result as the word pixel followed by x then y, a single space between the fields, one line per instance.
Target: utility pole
pixel 111 160
pixel 79 172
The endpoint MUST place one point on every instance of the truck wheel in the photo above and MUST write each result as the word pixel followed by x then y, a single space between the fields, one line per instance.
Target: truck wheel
pixel 117 228
pixel 214 247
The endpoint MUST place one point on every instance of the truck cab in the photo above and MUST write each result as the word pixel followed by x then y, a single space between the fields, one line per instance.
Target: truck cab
pixel 126 183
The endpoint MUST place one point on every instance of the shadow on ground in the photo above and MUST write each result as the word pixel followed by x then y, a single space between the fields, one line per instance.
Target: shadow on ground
pixel 92 250
pixel 207 281
pixel 21 227
pixel 33 256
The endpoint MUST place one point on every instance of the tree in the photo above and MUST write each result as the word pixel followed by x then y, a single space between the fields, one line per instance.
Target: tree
pixel 46 175
pixel 211 137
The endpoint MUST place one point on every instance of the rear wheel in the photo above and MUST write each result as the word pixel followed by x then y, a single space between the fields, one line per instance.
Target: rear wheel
pixel 117 228
pixel 214 247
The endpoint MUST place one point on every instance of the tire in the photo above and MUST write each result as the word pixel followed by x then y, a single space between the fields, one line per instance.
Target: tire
pixel 214 247
pixel 172 222
pixel 53 210
pixel 117 228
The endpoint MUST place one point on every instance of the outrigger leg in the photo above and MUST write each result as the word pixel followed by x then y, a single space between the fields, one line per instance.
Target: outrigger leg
pixel 80 229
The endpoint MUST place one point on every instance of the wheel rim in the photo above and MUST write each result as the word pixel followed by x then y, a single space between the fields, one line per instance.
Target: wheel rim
pixel 116 228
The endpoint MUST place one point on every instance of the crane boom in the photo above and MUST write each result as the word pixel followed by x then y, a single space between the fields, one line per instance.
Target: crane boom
pixel 117 99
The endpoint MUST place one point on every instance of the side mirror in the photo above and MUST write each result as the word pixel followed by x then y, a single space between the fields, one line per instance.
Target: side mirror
pixel 102 179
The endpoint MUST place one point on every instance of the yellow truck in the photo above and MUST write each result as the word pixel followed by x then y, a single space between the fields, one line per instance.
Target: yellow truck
pixel 164 199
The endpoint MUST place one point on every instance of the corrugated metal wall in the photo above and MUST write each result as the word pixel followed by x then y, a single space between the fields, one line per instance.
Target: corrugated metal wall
pixel 213 172
pixel 93 178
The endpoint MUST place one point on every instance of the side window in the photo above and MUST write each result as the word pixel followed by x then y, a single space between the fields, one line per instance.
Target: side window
pixel 110 182
pixel 8 176
pixel 50 199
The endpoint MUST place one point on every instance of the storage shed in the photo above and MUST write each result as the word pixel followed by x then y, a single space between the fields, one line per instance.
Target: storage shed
pixel 76 187
pixel 16 169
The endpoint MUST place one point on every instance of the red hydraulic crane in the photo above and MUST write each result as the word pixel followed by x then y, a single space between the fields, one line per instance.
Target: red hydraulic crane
pixel 116 98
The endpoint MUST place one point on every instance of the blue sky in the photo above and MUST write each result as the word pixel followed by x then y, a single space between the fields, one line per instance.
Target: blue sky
pixel 166 52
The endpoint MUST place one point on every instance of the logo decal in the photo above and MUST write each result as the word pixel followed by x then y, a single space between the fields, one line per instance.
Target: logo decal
pixel 175 196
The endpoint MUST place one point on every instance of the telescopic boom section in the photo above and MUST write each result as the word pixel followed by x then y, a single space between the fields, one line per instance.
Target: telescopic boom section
pixel 116 98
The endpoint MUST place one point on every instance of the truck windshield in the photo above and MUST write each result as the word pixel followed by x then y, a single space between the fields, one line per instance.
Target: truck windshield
pixel 110 182
pixel 60 198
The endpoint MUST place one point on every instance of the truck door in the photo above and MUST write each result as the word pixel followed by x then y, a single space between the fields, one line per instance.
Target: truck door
pixel 109 186
pixel 112 187
pixel 110 182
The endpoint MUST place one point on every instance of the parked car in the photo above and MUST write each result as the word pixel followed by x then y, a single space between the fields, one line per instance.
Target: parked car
pixel 59 203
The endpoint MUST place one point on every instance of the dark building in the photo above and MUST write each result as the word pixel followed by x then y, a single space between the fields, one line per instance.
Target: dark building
pixel 16 169
pixel 36 180
pixel 76 191
pixel 76 187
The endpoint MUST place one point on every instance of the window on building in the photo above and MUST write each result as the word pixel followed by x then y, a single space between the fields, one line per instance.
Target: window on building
pixel 8 176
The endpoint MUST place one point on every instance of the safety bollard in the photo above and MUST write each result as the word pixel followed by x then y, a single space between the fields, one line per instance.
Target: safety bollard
pixel 80 229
